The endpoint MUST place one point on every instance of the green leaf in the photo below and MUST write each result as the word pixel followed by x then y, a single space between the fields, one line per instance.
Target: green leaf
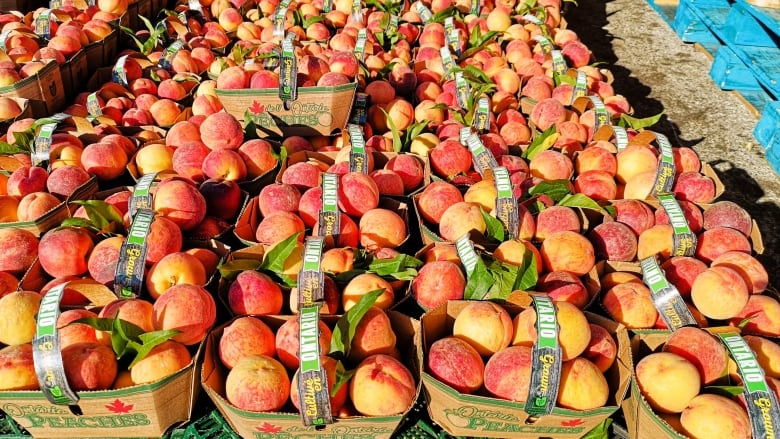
pixel 600 431
pixel 151 339
pixel 540 143
pixel 397 144
pixel 479 282
pixel 504 279
pixel 555 189
pixel 582 201
pixel 102 215
pixel 744 322
pixel 562 78
pixel 274 260
pixel 8 149
pixel 528 273
pixel 344 331
pixel 627 121
pixel 494 227
pixel 727 391
pixel 79 222
pixel 400 267
pixel 342 377
pixel 229 270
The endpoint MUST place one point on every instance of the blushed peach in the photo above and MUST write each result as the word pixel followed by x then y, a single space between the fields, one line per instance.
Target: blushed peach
pixel 484 325
pixel 631 305
pixel 436 198
pixel 364 283
pixel 253 292
pixel 508 373
pixel 727 214
pixel 582 386
pixel 437 282
pixel 567 251
pixel 163 360
pixel 187 308
pixel 613 241
pixel 258 383
pixel 245 336
pixel 602 348
pixel 702 349
pixel 89 366
pixel 719 293
pixel 681 271
pixel 288 341
pixel 760 316
pixel 716 241
pixel 456 363
pixel 667 381
pixel 459 219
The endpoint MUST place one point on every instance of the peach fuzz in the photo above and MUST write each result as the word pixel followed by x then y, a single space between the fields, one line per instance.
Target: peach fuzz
pixel 18 370
pixel 64 180
pixel 551 165
pixel 635 214
pixel 667 381
pixel 18 317
pixel 573 329
pixel 719 293
pixel 767 353
pixel 174 269
pixel 436 198
pixel 456 363
pixel 567 251
pixel 163 360
pixel 709 415
pixel 695 187
pixel 635 160
pixel 727 214
pixel 278 196
pixel 279 226
pixel 89 366
pixel 563 286
pixel 718 240
pixel 304 175
pixel 33 206
pixel 363 284
pixel 760 316
pixel 258 156
pixel 702 349
pixel 187 308
pixel 180 201
pixel 461 218
pixel 508 373
pixel 582 386
pixel 613 241
pixel 556 219
pixel 288 342
pixel 547 112
pixel 484 325
pixel 20 249
pixel 64 252
pixel 657 240
pixel 381 228
pixel 253 292
pixel 681 271
pixel 602 348
pixel 409 168
pixel 382 375
pixel 449 158
pixel 337 400
pixel 373 335
pixel 357 194
pixel 258 383
pixel 630 304
pixel 221 131
pixel 437 282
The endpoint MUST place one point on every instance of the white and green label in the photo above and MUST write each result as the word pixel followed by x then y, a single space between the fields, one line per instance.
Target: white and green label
pixel 329 216
pixel 544 43
pixel 546 356
pixel 462 90
pixel 360 44
pixel 684 241
pixel 118 74
pixel 279 18
pixel 483 159
pixel 506 203
pixel 4 37
pixel 93 105
pixel 358 156
pixel 194 5
pixel 449 26
pixel 467 254
pixel 357 11
pixel 55 4
pixel 666 298
pixel 481 120
pixel 424 13
pixel 47 356
pixel 621 137
pixel 559 64
pixel 142 194
pixel 761 402
pixel 272 62
pixel 170 52
pixel 664 179
pixel 312 380
pixel 310 283
pixel 602 116
pixel 533 19
pixel 42 146
pixel 129 274
pixel 464 135
pixel 447 62
pixel 476 6
pixel 392 24
pixel 327 5
pixel 580 86
pixel 43 24
pixel 288 86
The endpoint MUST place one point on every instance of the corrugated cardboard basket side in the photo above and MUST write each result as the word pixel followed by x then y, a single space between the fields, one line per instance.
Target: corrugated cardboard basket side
pixel 44 90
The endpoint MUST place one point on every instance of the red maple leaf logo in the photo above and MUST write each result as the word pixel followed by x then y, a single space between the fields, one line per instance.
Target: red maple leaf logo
pixel 572 423
pixel 269 428
pixel 119 407
pixel 257 107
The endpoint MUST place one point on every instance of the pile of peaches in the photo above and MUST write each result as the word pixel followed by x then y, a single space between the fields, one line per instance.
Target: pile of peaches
pixel 509 73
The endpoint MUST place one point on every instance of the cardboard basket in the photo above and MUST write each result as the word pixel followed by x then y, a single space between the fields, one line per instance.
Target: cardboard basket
pixel 483 416
pixel 24 105
pixel 317 111
pixel 288 424
pixel 44 90
pixel 75 73
pixel 102 53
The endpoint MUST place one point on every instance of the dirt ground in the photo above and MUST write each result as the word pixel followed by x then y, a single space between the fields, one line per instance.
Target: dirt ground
pixel 657 72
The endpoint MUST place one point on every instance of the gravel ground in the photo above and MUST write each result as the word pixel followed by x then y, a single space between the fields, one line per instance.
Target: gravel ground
pixel 657 72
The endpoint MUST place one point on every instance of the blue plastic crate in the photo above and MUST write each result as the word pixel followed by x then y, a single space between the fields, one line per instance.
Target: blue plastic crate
pixel 730 73
pixel 770 17
pixel 773 156
pixel 743 29
pixel 691 27
pixel 765 64
pixel 768 127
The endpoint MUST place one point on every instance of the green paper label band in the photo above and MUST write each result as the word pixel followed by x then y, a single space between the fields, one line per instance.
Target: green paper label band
pixel 467 254
pixel 475 7
pixel 279 17
pixel 546 365
pixel 312 380
pixel 544 43
pixel 483 159
pixel 602 116
pixel 329 216
pixel 310 278
pixel 170 52
pixel 761 402
pixel 47 356
pixel 392 24
pixel 506 203
pixel 684 241
pixel 664 179
pixel 462 90
pixel 357 11
pixel 93 106
pixel 621 137
pixel 424 13
pixel 118 74
pixel 455 41
pixel 360 44
pixel 449 26
pixel 580 86
pixel 288 86
pixel 533 19
pixel 129 274
pixel 142 195
pixel 4 38
pixel 43 24
pixel 327 5
pixel 481 120
pixel 447 62
pixel 55 4
pixel 559 64
pixel 666 298
pixel 42 151
pixel 358 157
pixel 359 114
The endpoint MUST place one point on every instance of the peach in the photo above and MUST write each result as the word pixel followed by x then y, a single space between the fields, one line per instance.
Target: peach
pixel 563 286
pixel 667 381
pixel 304 175
pixel 9 208
pixel 163 360
pixel 685 159
pixel 102 260
pixel 635 214
pixel 180 201
pixel 482 193
pixel 635 160
pixel 89 366
pixel 657 240
pixel 154 157
pixel 183 133
pixel 760 316
pixel 437 282
pixel 449 158
pixel 20 249
pixel 357 194
pixel 206 105
pixel 18 370
pixel 34 205
pixel 64 252
pixel 164 238
pixel 630 304
pixel 691 212
pixel 727 214
pixel 750 268
pixel 258 383
pixel 224 164
pixel 719 293
pixel 364 283
pixel 234 77
pixel 461 218
pixel 718 240
pixel 279 197
pixel 681 271
pixel 702 349
pixel 598 185
pixel 582 386
pixel 547 112
pixel 256 293
pixel 337 399
pixel 381 228
pixel 382 375
pixel 613 241
pixel 279 226
pixel 695 187
pixel 222 131
pixel 288 342
pixel 136 311
pixel 258 156
pixel 388 182
pixel 18 317
pixel 709 415
pixel 573 329
pixel 165 112
pixel 174 269
pixel 594 158
pixel 8 283
pixel 104 160
pixel 567 251
pixel 373 335
pixel 767 354
pixel 556 219
pixel 223 197
pixel 515 252
pixel 508 373
pixel 27 179
pixel 639 186
pixel 602 348
pixel 64 180
pixel 436 198
pixel 456 363
pixel 187 161
pixel 551 165
pixel 187 308
pixel 484 325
